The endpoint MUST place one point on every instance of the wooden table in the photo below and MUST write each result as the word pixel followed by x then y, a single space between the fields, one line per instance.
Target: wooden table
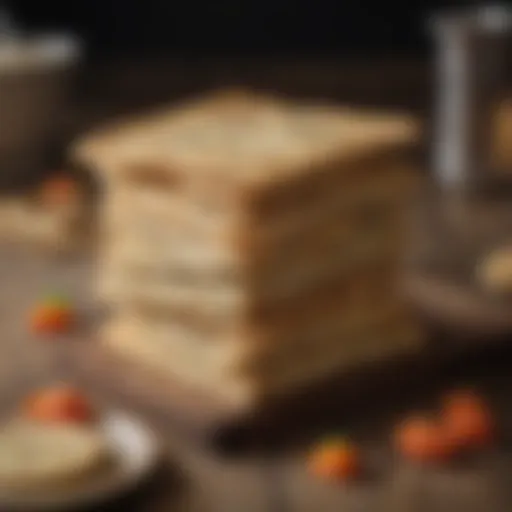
pixel 193 478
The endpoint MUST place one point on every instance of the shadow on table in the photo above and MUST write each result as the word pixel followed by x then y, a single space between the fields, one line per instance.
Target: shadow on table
pixel 374 400
pixel 164 490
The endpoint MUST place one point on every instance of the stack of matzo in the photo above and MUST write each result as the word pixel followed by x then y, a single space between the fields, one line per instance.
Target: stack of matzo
pixel 250 244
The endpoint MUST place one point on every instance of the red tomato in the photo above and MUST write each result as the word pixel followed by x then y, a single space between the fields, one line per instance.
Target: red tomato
pixel 59 190
pixel 58 404
pixel 336 460
pixel 423 440
pixel 49 319
pixel 468 419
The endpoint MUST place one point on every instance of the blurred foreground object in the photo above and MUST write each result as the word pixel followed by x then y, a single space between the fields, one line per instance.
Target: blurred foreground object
pixel 56 215
pixel 60 192
pixel 58 404
pixel 466 214
pixel 34 80
pixel 470 59
pixel 251 244
pixel 59 454
pixel 502 141
pixel 469 420
pixel 422 439
pixel 51 317
pixel 463 424
pixel 495 272
pixel 336 460
pixel 39 456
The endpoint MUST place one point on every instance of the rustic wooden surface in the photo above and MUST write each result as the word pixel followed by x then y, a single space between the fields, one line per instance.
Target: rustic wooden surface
pixel 194 479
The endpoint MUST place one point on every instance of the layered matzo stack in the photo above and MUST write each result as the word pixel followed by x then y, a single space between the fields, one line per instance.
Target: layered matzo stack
pixel 250 244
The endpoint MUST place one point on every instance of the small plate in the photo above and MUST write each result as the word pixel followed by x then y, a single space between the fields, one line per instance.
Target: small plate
pixel 135 454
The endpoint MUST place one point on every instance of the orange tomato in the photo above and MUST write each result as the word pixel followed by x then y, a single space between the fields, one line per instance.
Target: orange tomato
pixel 423 440
pixel 51 319
pixel 467 419
pixel 58 404
pixel 59 190
pixel 336 460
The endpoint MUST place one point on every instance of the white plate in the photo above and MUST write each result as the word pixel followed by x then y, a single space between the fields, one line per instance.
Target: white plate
pixel 135 452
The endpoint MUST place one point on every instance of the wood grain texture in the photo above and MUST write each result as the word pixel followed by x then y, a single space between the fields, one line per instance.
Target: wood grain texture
pixel 196 479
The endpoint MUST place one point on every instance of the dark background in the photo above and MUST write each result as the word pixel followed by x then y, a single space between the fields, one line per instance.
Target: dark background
pixel 202 27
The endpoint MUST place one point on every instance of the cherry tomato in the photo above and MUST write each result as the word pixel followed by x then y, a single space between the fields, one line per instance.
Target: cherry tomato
pixel 468 419
pixel 49 319
pixel 58 404
pixel 423 439
pixel 59 190
pixel 335 460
